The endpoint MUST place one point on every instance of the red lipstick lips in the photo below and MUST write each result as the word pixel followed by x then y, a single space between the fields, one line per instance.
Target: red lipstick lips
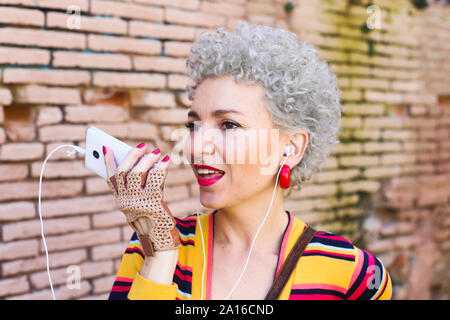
pixel 205 178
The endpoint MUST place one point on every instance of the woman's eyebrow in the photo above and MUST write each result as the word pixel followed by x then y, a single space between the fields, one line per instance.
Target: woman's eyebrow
pixel 216 113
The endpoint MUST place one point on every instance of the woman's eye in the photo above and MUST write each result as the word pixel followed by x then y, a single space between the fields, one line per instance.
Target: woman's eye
pixel 230 124
pixel 191 125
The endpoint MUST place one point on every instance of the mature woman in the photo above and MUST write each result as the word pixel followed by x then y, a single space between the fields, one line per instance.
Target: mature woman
pixel 254 82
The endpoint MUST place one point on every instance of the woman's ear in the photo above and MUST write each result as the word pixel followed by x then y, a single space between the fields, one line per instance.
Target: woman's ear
pixel 300 141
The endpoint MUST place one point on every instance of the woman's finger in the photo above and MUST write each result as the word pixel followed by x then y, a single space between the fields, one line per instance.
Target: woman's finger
pixel 131 158
pixel 147 161
pixel 137 227
pixel 145 225
pixel 110 161
pixel 163 164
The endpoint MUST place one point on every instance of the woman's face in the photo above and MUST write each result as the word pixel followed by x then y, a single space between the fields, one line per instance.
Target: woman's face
pixel 231 131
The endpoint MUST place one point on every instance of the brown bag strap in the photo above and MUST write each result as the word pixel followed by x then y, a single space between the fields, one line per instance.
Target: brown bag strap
pixel 290 263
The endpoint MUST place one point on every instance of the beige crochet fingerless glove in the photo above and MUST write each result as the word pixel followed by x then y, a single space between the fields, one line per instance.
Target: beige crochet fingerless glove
pixel 139 194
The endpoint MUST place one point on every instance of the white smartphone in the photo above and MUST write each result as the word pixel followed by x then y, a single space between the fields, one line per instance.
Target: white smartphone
pixel 95 140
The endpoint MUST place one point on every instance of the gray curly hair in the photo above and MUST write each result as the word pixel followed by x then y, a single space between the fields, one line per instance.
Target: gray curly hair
pixel 301 91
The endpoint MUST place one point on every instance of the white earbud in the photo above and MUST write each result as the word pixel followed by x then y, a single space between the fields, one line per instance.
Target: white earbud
pixel 289 150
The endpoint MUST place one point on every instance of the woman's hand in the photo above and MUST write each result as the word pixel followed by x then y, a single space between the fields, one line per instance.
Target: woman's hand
pixel 138 186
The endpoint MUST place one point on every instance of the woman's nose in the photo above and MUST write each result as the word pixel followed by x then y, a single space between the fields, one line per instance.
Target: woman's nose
pixel 203 141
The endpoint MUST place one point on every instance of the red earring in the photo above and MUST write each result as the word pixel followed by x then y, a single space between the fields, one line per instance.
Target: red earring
pixel 285 176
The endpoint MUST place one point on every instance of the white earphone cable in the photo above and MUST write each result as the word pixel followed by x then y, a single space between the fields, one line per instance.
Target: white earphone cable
pixel 256 235
pixel 69 153
pixel 289 151
pixel 204 255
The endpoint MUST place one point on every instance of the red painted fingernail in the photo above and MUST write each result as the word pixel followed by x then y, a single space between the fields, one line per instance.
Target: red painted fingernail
pixel 104 150
pixel 166 158
pixel 156 151
pixel 141 145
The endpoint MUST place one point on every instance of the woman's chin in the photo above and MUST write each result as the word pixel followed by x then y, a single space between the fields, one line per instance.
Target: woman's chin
pixel 211 199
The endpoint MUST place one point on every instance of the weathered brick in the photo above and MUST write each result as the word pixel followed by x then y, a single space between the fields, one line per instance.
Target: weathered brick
pixel 142 130
pixel 346 148
pixel 13 286
pixel 177 48
pixel 159 64
pixel 127 10
pixel 122 44
pixel 185 4
pixel 401 135
pixel 52 4
pixel 96 185
pixel 152 99
pixel 30 189
pixel 364 109
pixel 334 175
pixel 61 276
pixel 76 206
pixel 367 134
pixel 359 161
pixel 42 38
pixel 166 116
pixel 17 211
pixel 92 24
pixel 18 249
pixel 193 18
pixel 226 9
pixel 13 172
pixel 29 229
pixel 5 96
pixel 21 151
pixel 82 239
pixel 108 219
pixel 309 191
pixel 161 31
pixel 364 186
pixel 394 158
pixel 91 60
pixel 367 83
pixel 62 293
pixel 381 172
pixel 331 163
pixel 108 251
pixel 20 132
pixel 56 259
pixel 351 122
pixel 177 81
pixel 383 122
pixel 50 95
pixel 129 80
pixel 62 132
pixel 24 56
pixel 50 77
pixel 99 113
pixel 371 147
pixel 10 15
pixel 61 169
pixel 2 136
pixel 49 115
pixel 379 96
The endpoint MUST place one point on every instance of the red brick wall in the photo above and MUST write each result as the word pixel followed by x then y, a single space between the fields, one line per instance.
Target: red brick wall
pixel 386 187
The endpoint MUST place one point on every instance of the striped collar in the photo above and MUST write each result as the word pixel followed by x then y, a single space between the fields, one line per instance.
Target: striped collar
pixel 293 229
